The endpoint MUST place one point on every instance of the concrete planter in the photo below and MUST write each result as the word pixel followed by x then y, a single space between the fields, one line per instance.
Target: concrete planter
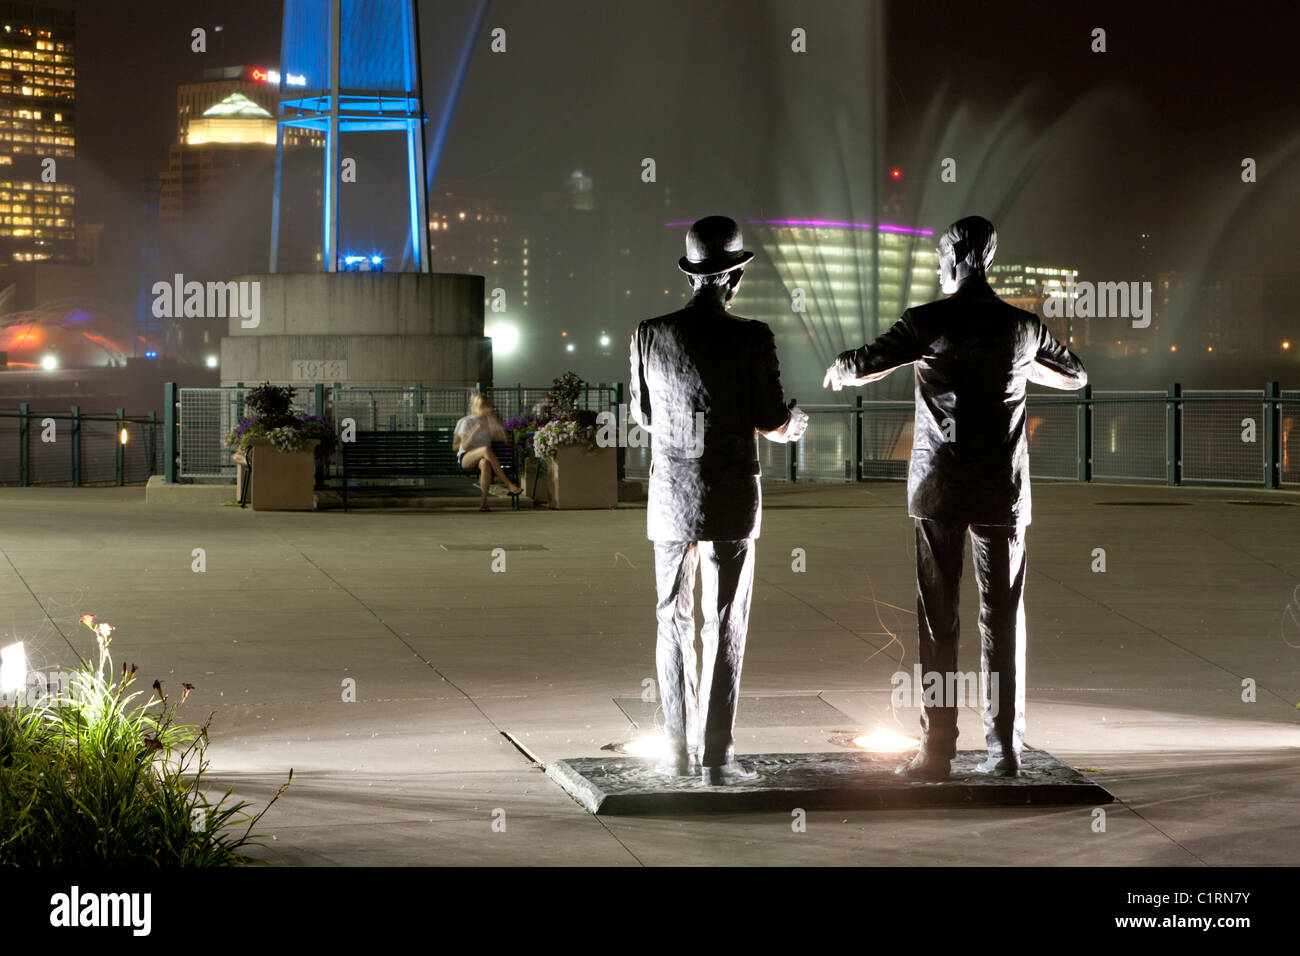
pixel 582 478
pixel 281 481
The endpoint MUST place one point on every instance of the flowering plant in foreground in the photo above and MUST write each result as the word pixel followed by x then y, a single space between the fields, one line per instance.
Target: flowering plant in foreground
pixel 90 776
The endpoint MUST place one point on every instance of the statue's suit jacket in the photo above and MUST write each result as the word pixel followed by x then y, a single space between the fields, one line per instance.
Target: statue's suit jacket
pixel 703 383
pixel 973 355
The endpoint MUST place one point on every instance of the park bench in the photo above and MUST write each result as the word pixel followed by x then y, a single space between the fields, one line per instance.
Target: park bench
pixel 411 454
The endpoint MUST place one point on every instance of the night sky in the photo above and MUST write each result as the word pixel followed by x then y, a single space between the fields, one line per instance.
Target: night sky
pixel 1073 154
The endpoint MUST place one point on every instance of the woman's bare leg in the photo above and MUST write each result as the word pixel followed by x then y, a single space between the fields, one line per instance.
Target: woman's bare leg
pixel 496 467
pixel 476 460
pixel 484 481
pixel 477 457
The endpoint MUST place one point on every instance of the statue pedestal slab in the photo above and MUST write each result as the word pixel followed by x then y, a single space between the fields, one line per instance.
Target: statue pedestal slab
pixel 841 781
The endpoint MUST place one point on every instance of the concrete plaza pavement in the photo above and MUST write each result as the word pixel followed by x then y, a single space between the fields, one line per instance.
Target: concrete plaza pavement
pixel 1135 673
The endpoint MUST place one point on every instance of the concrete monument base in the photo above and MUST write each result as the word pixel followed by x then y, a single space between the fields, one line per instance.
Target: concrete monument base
pixel 841 781
pixel 360 329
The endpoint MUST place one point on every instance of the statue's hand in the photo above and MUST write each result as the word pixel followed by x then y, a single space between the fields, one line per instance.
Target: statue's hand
pixel 797 425
pixel 835 377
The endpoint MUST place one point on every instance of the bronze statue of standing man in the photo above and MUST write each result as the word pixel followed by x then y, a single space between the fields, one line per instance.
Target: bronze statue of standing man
pixel 705 384
pixel 969 474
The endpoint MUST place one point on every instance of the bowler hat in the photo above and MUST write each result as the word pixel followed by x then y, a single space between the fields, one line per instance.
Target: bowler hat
pixel 713 245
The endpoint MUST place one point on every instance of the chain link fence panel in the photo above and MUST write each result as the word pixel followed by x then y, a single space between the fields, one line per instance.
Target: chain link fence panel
pixel 1223 440
pixel 206 416
pixel 1288 452
pixel 1129 441
pixel 886 439
pixel 1053 432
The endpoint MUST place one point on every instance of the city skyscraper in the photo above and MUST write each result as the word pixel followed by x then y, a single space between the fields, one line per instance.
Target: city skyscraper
pixel 218 178
pixel 37 132
pixel 193 100
pixel 1029 286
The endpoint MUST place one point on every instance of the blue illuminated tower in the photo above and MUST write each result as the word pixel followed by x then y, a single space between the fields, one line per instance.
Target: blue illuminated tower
pixel 352 66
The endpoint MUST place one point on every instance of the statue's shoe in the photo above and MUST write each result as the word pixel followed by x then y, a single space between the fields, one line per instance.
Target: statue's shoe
pixel 926 768
pixel 1002 767
pixel 727 773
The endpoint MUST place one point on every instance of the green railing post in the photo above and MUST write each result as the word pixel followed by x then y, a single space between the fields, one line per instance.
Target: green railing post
pixel 119 459
pixel 170 426
pixel 519 398
pixel 76 446
pixel 151 441
pixel 1272 435
pixel 856 429
pixel 24 459
pixel 1174 434
pixel 791 470
pixel 1084 419
pixel 318 399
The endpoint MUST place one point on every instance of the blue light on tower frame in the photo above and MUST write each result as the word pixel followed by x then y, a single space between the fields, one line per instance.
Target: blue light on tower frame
pixel 361 264
pixel 356 68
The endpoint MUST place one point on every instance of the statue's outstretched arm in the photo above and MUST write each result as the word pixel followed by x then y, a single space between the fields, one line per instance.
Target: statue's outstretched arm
pixel 901 345
pixel 1055 366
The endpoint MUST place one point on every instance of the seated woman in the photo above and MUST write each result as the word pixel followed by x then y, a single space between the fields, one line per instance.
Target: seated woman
pixel 472 441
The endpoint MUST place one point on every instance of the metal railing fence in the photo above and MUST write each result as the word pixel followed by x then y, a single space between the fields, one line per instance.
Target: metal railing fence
pixel 1198 436
pixel 74 448
pixel 1203 436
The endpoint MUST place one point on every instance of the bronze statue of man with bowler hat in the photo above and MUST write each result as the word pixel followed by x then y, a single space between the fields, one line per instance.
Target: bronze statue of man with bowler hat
pixel 705 384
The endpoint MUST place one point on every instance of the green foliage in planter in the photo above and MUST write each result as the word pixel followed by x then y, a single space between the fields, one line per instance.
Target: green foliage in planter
pixel 89 777
pixel 270 404
pixel 567 424
pixel 564 394
pixel 271 416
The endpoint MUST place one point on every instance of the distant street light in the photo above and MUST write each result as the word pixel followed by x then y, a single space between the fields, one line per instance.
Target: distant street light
pixel 49 363
pixel 505 338
pixel 212 361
